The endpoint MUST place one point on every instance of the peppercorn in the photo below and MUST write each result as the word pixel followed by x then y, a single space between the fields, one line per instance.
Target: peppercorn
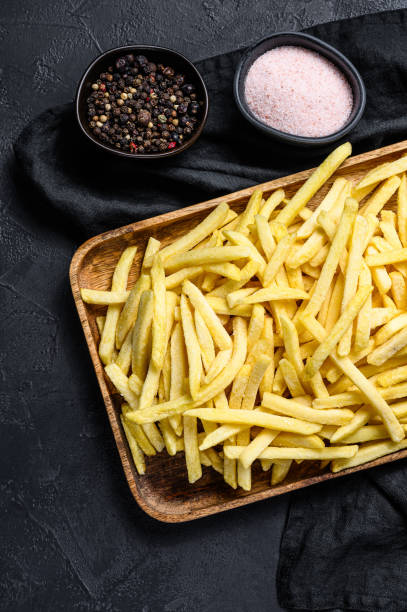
pixel 121 64
pixel 143 117
pixel 182 109
pixel 140 93
pixel 188 89
pixel 168 71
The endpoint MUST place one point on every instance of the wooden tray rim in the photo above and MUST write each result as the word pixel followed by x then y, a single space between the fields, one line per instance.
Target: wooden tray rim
pixel 174 216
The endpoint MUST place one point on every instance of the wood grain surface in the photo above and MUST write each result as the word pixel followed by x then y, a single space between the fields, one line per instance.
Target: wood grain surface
pixel 164 492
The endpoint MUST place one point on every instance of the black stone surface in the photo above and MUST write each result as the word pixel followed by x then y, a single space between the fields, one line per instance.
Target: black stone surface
pixel 71 536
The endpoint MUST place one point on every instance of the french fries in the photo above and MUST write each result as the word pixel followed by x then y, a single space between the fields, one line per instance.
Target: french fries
pixel 276 335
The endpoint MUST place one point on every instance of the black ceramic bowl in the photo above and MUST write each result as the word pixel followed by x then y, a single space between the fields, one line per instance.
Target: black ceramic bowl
pixel 154 54
pixel 308 42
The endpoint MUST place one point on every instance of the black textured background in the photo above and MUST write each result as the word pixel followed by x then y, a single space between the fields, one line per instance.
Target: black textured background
pixel 71 536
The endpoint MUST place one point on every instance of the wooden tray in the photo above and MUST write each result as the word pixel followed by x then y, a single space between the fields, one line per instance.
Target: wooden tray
pixel 163 492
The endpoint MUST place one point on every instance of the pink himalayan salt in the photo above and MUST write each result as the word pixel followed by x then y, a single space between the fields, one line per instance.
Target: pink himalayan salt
pixel 299 92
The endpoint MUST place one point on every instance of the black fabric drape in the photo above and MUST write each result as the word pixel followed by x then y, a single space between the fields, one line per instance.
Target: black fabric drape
pixel 345 544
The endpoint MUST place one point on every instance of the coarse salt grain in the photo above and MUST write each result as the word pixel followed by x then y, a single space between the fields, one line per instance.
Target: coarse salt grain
pixel 299 92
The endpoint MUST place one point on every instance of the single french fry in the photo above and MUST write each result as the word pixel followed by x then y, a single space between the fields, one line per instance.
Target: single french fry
pixel 100 322
pixel 241 241
pixel 192 347
pixel 119 283
pixel 141 337
pixel 205 341
pixel 123 359
pixel 218 364
pixel 389 348
pixel 393 377
pixel 331 263
pixel 291 378
pixel 277 259
pixel 256 447
pixel 271 203
pixel 256 325
pixel 207 256
pixel 191 449
pixel 226 376
pixel 158 346
pixel 137 431
pixel 228 270
pixel 294 409
pixel 177 278
pixel 367 434
pixel 211 223
pixel 136 452
pixel 380 275
pixel 256 375
pixel 179 372
pixel 361 417
pixel 198 300
pixel 104 298
pixel 236 297
pixel 279 471
pixel 319 259
pixel 265 235
pixel 308 250
pixel 291 344
pixel 398 289
pixel 153 246
pixel 382 173
pixel 368 390
pixel 121 382
pixel 387 257
pixel 239 387
pixel 388 330
pixel 251 210
pixel 402 210
pixel 313 183
pixel 363 320
pixel 246 274
pixel 220 306
pixel 332 452
pixel 294 277
pixel 255 417
pixel 128 315
pixel 326 204
pixel 389 231
pixel 270 294
pixel 370 452
pixel 381 196
pixel 353 269
pixel 343 323
pixel 285 439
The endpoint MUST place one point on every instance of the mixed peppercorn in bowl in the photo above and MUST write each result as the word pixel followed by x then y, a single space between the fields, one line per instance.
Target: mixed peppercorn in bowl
pixel 142 102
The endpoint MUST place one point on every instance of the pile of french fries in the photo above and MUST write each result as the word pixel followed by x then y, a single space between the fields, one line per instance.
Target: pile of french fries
pixel 278 335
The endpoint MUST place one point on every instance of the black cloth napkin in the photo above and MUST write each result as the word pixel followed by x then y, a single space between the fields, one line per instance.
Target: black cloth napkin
pixel 345 544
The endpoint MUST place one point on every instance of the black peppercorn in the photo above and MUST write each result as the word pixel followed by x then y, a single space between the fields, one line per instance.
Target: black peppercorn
pixel 143 117
pixel 188 88
pixel 182 109
pixel 121 64
pixel 168 71
pixel 137 92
